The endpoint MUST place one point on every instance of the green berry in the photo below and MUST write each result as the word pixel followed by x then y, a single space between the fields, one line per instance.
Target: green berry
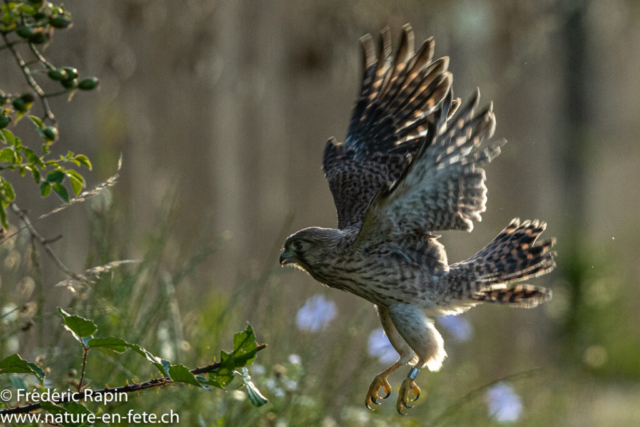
pixel 19 105
pixel 59 22
pixel 38 38
pixel 4 121
pixel 28 98
pixel 89 84
pixel 25 32
pixel 57 75
pixel 70 83
pixel 72 73
pixel 50 133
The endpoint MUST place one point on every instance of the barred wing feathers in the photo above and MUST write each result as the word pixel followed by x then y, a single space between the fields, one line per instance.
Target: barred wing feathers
pixel 443 188
pixel 397 98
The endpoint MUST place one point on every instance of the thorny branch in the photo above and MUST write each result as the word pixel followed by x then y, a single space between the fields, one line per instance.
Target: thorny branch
pixel 129 388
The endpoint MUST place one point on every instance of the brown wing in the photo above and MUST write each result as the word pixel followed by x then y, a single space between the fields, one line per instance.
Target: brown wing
pixel 443 188
pixel 398 97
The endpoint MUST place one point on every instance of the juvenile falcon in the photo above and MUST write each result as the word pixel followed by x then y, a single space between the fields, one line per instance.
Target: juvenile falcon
pixel 412 164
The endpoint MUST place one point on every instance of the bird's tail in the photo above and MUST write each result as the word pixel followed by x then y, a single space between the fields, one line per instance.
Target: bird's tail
pixel 510 258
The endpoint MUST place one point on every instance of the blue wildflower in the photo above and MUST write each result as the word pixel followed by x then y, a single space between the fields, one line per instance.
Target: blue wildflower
pixel 316 313
pixel 380 347
pixel 457 326
pixel 504 404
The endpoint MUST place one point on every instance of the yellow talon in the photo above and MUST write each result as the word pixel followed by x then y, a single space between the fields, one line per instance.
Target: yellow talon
pixel 403 396
pixel 378 382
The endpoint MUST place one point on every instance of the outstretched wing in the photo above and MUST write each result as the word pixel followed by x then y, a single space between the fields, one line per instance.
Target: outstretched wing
pixel 443 188
pixel 397 98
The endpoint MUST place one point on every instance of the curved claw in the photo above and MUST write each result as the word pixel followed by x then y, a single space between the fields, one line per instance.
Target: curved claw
pixel 417 397
pixel 401 413
pixel 388 394
pixel 407 406
pixel 368 407
pixel 375 402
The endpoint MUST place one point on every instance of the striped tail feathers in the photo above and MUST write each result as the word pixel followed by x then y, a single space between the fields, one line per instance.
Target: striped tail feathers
pixel 521 296
pixel 513 256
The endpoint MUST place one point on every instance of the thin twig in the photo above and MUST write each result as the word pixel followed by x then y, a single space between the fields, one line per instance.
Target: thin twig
pixel 85 353
pixel 43 242
pixel 30 80
pixel 129 388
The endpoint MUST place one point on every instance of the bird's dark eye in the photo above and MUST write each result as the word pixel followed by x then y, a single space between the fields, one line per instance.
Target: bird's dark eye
pixel 297 245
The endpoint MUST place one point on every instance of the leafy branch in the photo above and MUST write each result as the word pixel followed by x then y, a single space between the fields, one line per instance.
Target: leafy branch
pixel 33 23
pixel 219 374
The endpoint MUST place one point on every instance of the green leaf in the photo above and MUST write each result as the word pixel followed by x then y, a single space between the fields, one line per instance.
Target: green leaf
pixel 14 364
pixel 56 176
pixel 84 160
pixel 3 217
pixel 36 174
pixel 32 157
pixel 161 364
pixel 77 409
pixel 256 398
pixel 78 326
pixel 52 408
pixel 208 382
pixel 37 122
pixel 61 191
pixel 77 181
pixel 8 136
pixel 112 343
pixel 181 374
pixel 225 373
pixel 45 189
pixel 7 154
pixel 8 190
pixel 244 347
pixel 18 383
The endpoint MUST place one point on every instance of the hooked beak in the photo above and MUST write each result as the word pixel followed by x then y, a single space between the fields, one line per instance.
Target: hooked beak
pixel 285 258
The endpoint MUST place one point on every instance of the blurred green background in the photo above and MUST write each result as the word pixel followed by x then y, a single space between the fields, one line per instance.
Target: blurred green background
pixel 221 110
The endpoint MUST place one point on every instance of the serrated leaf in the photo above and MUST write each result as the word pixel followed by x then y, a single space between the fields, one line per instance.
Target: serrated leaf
pixel 181 374
pixel 208 382
pixel 244 347
pixel 255 397
pixel 226 371
pixel 78 326
pixel 61 191
pixel 112 343
pixel 7 154
pixel 14 364
pixel 156 361
pixel 84 160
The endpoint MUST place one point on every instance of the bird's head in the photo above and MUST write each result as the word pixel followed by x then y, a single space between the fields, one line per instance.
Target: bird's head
pixel 309 247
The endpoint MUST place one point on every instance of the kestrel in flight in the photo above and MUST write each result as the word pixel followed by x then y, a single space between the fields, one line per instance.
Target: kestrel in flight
pixel 411 164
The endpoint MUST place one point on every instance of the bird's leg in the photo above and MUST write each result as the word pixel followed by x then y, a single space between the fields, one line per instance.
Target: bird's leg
pixel 408 385
pixel 423 338
pixel 381 380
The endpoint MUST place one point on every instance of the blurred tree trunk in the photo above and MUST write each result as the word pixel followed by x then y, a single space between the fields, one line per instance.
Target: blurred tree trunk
pixel 573 151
